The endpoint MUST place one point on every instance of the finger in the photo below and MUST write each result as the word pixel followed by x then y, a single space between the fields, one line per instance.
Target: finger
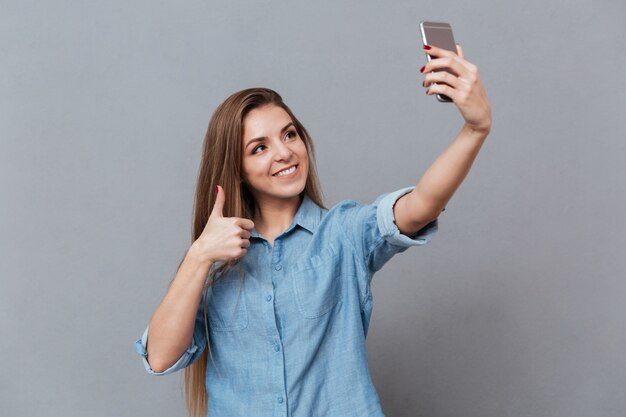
pixel 441 77
pixel 244 223
pixel 447 63
pixel 218 207
pixel 245 234
pixel 453 57
pixel 442 89
pixel 459 51
pixel 244 243
pixel 437 51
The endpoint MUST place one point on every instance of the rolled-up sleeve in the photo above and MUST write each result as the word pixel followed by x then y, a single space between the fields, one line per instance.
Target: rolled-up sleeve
pixel 374 233
pixel 387 225
pixel 193 352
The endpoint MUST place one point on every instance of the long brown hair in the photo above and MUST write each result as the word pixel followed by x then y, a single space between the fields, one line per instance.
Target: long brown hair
pixel 221 164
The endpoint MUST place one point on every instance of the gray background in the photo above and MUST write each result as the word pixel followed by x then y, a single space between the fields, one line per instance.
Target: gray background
pixel 516 308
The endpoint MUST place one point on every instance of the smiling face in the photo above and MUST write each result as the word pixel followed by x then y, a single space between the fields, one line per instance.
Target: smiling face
pixel 271 144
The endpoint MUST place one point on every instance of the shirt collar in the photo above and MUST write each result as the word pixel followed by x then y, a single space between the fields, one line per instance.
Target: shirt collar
pixel 308 216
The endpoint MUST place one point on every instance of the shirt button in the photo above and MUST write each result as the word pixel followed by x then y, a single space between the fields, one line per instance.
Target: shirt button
pixel 280 400
pixel 268 298
pixel 278 267
pixel 276 348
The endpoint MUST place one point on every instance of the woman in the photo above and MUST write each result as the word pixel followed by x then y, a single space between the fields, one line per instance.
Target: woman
pixel 276 285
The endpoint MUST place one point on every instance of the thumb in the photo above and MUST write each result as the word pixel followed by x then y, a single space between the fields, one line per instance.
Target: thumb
pixel 460 51
pixel 218 207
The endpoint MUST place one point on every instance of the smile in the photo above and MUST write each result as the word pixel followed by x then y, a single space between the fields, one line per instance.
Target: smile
pixel 288 172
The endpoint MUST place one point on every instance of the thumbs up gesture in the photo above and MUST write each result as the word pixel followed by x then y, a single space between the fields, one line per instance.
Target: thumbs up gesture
pixel 223 238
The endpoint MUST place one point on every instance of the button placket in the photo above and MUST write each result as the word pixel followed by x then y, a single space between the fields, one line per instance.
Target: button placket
pixel 276 275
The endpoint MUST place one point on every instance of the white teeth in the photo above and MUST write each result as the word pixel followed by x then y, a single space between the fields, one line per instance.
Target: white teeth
pixel 289 171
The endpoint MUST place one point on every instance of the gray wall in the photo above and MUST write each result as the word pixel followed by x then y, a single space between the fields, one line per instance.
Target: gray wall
pixel 516 308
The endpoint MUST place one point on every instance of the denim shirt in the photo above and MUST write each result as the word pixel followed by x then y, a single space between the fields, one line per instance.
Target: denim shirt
pixel 290 341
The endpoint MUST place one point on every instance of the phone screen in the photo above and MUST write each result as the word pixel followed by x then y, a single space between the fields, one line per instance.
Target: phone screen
pixel 438 34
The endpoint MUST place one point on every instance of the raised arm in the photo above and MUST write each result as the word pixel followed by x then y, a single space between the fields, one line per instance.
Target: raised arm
pixel 433 191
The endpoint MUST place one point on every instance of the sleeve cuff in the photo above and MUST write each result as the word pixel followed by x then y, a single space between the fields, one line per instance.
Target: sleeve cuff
pixel 387 224
pixel 140 348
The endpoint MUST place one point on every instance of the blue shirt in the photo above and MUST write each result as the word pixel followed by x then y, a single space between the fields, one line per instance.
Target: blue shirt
pixel 291 342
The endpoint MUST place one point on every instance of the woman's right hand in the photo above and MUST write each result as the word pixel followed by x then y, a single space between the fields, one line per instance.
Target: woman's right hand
pixel 223 238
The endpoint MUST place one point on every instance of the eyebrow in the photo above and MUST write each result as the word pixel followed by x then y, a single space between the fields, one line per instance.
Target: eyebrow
pixel 265 137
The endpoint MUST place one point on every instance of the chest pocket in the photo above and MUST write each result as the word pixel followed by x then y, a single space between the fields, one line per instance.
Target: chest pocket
pixel 317 283
pixel 226 306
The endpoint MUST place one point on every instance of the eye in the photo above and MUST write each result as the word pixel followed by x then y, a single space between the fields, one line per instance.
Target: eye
pixel 290 134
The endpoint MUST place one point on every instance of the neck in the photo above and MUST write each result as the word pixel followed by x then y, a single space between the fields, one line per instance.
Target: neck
pixel 275 215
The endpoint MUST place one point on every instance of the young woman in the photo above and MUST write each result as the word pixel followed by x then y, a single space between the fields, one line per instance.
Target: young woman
pixel 275 287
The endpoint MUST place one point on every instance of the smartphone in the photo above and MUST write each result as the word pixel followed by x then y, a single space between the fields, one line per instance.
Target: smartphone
pixel 438 34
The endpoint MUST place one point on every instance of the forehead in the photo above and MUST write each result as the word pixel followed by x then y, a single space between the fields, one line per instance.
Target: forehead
pixel 264 121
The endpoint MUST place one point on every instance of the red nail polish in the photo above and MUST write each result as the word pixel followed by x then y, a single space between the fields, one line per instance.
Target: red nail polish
pixel 427 91
pixel 427 47
pixel 423 83
pixel 217 189
pixel 422 69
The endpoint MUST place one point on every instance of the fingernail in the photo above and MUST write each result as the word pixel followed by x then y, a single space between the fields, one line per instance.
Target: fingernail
pixel 427 47
pixel 217 189
pixel 422 69
pixel 427 91
pixel 423 83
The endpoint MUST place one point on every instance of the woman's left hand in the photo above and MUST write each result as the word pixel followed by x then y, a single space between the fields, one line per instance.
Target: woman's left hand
pixel 463 87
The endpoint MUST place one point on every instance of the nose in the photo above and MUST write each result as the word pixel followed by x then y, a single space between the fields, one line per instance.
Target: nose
pixel 282 151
